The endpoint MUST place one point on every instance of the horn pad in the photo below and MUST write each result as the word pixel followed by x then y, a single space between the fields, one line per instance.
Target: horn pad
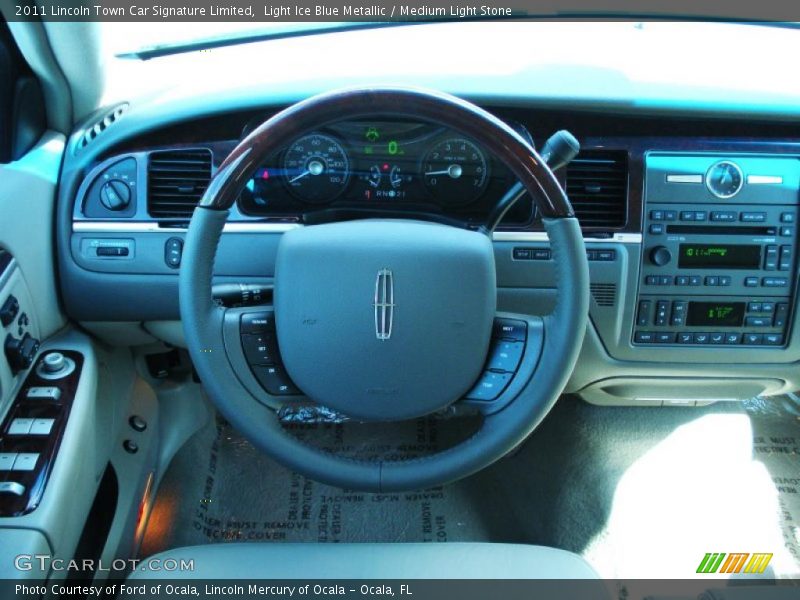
pixel 384 319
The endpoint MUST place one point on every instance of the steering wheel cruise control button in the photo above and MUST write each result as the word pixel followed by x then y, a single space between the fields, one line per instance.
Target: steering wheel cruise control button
pixel 276 381
pixel 259 349
pixel 490 386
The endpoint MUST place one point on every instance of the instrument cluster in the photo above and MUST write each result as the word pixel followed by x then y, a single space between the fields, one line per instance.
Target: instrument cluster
pixel 383 165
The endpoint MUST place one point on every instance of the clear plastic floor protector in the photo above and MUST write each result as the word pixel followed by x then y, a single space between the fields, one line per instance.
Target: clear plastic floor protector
pixel 640 492
pixel 221 489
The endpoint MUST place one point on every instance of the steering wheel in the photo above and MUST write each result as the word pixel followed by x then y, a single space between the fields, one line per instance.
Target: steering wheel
pixel 384 319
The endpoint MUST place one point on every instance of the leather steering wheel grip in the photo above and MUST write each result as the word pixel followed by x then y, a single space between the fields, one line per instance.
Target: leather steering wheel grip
pixel 501 431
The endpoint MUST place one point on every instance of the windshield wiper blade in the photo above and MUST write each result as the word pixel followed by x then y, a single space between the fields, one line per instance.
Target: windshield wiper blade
pixel 246 37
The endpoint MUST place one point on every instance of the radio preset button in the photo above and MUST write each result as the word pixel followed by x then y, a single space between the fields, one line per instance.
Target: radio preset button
pixel 694 280
pixel 712 280
pixel 681 280
pixel 725 280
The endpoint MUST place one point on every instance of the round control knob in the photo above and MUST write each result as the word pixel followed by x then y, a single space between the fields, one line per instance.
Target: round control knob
pixel 115 194
pixel 54 362
pixel 660 256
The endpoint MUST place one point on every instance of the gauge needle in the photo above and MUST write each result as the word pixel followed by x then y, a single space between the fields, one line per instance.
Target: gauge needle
pixel 453 171
pixel 315 167
pixel 303 174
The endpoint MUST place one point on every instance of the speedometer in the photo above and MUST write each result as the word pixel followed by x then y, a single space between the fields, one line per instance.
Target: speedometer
pixel 455 171
pixel 316 168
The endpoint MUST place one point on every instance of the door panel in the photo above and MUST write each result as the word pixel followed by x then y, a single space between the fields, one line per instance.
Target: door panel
pixel 27 197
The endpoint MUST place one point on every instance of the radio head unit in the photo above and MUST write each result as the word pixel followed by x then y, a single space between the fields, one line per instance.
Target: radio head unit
pixel 718 268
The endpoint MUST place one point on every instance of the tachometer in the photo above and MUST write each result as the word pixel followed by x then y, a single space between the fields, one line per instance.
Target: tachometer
pixel 455 171
pixel 316 168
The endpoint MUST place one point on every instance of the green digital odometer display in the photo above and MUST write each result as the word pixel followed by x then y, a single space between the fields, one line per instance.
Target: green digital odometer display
pixel 715 314
pixel 712 256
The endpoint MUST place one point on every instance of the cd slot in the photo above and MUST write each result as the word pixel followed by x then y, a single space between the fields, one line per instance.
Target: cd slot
pixel 748 230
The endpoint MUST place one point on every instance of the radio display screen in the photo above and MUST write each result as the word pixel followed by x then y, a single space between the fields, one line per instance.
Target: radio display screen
pixel 715 314
pixel 719 256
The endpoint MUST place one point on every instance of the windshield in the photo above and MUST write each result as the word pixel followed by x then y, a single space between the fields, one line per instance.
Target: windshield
pixel 130 39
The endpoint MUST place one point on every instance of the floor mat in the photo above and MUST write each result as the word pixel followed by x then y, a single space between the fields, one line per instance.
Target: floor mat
pixel 640 492
pixel 220 488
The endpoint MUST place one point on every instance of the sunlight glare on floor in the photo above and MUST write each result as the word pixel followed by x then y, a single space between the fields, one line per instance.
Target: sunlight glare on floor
pixel 699 490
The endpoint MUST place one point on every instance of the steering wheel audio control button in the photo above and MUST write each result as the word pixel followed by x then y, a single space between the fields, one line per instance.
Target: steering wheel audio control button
pixel 505 356
pixel 490 386
pixel 510 329
pixel 276 381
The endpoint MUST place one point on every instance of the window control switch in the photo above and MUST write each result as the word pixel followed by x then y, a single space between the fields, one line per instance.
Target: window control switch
pixel 42 426
pixel 20 427
pixel 26 461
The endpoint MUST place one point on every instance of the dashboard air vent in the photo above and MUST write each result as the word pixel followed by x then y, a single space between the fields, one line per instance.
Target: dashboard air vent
pixel 597 187
pixel 95 129
pixel 176 180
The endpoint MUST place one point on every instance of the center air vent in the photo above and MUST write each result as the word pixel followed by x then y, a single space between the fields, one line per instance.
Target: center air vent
pixel 597 187
pixel 176 180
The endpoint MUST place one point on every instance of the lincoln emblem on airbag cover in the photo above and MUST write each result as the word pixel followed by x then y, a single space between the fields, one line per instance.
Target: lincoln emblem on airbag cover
pixel 384 304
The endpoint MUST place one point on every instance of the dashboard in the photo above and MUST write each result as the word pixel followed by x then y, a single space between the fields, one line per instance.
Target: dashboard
pixel 395 166
pixel 689 224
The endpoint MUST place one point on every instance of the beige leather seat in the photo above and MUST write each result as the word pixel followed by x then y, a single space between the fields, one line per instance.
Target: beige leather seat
pixel 373 561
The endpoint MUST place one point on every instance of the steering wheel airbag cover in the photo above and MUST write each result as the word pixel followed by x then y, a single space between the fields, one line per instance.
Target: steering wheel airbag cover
pixel 384 320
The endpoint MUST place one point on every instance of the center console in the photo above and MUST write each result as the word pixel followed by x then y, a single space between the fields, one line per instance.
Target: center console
pixel 719 256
